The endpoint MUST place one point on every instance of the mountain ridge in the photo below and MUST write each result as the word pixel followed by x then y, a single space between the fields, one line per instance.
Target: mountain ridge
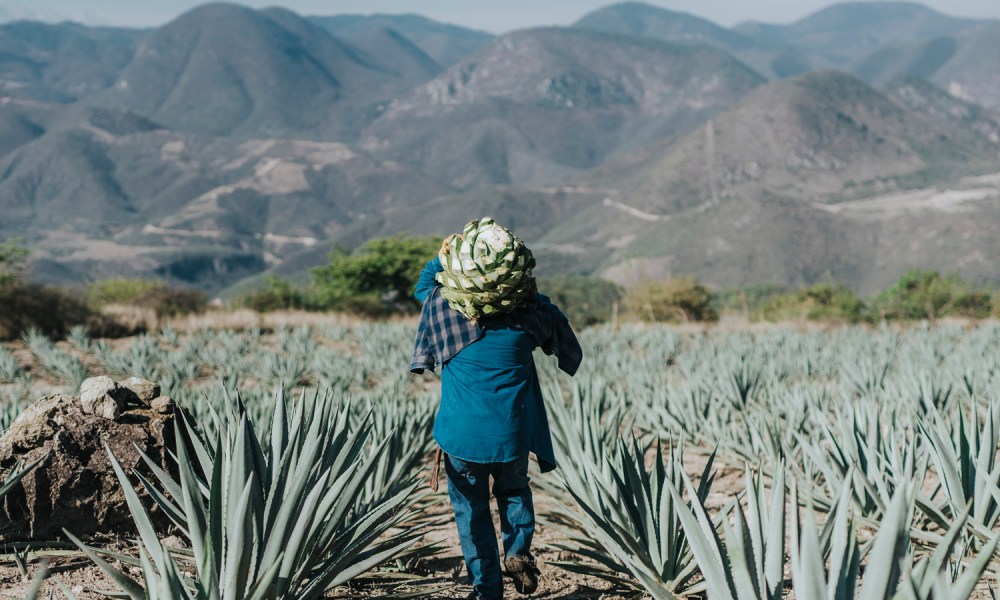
pixel 234 141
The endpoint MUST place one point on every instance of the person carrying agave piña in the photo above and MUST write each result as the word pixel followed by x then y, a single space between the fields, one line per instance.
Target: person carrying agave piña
pixel 482 318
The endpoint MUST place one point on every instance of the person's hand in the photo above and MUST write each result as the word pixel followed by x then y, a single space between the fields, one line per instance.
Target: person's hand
pixel 446 244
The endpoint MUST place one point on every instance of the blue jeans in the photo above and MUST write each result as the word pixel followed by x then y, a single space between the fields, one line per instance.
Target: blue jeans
pixel 468 487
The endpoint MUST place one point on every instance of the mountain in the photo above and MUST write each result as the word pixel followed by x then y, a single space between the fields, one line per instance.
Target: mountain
pixel 445 44
pixel 823 137
pixel 17 127
pixel 104 192
pixel 769 58
pixel 639 143
pixel 61 63
pixel 645 20
pixel 844 32
pixel 223 69
pixel 799 182
pixel 966 63
pixel 971 124
pixel 543 105
pixel 404 59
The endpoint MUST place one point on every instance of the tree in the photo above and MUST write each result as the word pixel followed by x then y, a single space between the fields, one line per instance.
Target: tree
pixel 584 300
pixel 819 302
pixel 930 295
pixel 275 293
pixel 679 299
pixel 13 261
pixel 382 270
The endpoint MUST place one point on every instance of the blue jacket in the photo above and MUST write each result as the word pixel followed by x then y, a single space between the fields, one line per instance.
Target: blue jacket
pixel 492 408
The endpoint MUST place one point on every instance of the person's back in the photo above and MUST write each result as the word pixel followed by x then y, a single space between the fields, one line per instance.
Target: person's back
pixel 492 413
pixel 486 391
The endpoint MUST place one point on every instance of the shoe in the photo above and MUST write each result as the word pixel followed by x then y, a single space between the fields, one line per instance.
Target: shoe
pixel 522 569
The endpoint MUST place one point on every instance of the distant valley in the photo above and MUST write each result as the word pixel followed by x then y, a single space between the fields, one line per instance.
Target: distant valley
pixel 637 143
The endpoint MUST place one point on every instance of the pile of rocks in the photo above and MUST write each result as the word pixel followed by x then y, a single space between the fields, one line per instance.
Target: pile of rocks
pixel 107 398
pixel 74 486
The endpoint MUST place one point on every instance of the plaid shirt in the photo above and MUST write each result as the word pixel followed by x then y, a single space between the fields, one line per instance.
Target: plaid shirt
pixel 443 332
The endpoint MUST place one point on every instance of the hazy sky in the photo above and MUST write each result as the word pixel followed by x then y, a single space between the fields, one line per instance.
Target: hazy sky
pixel 492 15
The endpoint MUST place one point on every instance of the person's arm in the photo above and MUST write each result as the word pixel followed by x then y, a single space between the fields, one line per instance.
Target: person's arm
pixel 563 342
pixel 427 282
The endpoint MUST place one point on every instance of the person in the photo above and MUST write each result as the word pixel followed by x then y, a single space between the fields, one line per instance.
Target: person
pixel 492 412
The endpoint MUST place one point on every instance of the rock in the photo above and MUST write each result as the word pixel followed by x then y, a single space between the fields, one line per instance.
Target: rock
pixel 103 397
pixel 163 405
pixel 144 390
pixel 75 486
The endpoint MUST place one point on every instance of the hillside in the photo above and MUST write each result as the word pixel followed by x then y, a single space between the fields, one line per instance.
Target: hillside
pixel 540 106
pixel 822 137
pixel 446 44
pixel 198 209
pixel 779 176
pixel 223 69
pixel 640 142
pixel 646 20
pixel 967 64
pixel 61 63
pixel 844 32
pixel 770 58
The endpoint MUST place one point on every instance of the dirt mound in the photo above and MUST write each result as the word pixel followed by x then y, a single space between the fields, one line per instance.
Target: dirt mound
pixel 74 486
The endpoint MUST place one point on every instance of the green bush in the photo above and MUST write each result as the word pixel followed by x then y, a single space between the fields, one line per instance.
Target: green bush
pixel 119 290
pixel 276 294
pixel 681 299
pixel 52 311
pixel 171 302
pixel 819 302
pixel 13 261
pixel 584 300
pixel 379 278
pixel 164 300
pixel 929 295
pixel 748 300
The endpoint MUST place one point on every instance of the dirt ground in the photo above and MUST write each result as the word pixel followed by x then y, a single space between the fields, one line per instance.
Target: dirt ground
pixel 437 578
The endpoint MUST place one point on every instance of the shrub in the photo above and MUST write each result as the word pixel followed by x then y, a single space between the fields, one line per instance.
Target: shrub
pixel 164 300
pixel 585 300
pixel 51 311
pixel 118 290
pixel 171 302
pixel 929 295
pixel 275 294
pixel 13 261
pixel 378 278
pixel 748 300
pixel 680 299
pixel 819 302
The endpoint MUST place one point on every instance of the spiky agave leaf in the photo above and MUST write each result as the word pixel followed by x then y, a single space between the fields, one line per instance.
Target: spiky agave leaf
pixel 743 563
pixel 632 521
pixel 272 518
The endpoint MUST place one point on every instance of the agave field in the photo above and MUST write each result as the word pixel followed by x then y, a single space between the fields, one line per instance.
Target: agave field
pixel 745 465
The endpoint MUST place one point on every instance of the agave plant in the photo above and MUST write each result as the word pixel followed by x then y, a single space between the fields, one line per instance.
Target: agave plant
pixel 10 368
pixel 632 526
pixel 966 463
pixel 267 517
pixel 60 365
pixel 861 448
pixel 16 474
pixel 487 269
pixel 749 563
pixel 890 573
pixel 837 542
